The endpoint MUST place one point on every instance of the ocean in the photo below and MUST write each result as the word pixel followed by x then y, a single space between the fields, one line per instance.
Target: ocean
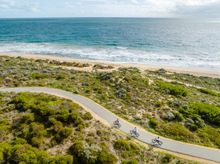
pixel 184 43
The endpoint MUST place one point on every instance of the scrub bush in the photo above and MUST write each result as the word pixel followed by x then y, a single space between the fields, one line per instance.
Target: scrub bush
pixel 176 90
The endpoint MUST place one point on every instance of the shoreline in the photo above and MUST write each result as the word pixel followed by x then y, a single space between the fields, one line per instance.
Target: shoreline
pixel 142 67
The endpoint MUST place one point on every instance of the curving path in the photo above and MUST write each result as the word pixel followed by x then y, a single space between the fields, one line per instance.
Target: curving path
pixel 168 144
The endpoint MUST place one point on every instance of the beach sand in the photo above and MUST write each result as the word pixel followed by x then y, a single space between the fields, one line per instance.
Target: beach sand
pixel 142 67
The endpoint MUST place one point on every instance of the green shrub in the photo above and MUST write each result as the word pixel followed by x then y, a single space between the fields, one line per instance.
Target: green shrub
pixel 210 134
pixel 198 122
pixel 167 158
pixel 57 125
pixel 91 153
pixel 75 119
pixel 33 133
pixel 176 131
pixel 23 154
pixel 62 134
pixel 37 130
pixel 103 76
pixel 5 128
pixel 85 153
pixel 41 111
pixel 66 132
pixel 125 145
pixel 178 116
pixel 77 147
pixel 209 113
pixel 127 149
pixel 38 76
pixel 134 161
pixel 28 118
pixel 153 123
pixel 19 141
pixel 5 149
pixel 209 92
pixel 19 102
pixel 23 131
pixel 60 77
pixel 176 90
pixel 106 157
pixel 80 127
pixel 122 145
pixel 87 116
pixel 98 66
pixel 63 115
pixel 67 159
pixel 27 154
pixel 37 141
pixel 104 134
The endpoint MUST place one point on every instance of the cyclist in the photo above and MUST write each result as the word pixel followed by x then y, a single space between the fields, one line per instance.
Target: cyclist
pixel 135 130
pixel 117 122
pixel 158 139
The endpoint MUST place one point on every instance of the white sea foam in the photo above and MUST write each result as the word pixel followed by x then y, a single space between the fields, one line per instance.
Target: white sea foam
pixel 118 54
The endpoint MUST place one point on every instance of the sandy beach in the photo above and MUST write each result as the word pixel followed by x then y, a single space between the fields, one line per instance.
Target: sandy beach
pixel 142 67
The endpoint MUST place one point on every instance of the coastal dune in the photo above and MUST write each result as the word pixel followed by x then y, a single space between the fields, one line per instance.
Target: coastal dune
pixel 115 65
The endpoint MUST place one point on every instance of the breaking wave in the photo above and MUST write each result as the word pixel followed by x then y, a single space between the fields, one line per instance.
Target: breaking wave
pixel 114 54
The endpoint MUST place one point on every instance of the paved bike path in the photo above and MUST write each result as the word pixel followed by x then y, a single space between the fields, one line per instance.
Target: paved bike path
pixel 146 137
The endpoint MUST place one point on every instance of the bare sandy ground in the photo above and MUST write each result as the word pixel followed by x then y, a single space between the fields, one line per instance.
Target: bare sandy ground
pixel 142 67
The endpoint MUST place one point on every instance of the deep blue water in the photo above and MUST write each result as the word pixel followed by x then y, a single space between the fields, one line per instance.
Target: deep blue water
pixel 169 42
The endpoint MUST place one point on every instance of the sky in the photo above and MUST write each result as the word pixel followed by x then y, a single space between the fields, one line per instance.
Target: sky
pixel 109 8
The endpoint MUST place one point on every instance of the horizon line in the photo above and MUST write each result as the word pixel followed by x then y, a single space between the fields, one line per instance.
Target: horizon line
pixel 116 17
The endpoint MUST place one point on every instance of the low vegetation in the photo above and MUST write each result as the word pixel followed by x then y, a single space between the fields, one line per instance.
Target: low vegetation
pixel 39 128
pixel 208 113
pixel 201 81
pixel 209 92
pixel 172 89
pixel 99 66
pixel 168 104
pixel 64 63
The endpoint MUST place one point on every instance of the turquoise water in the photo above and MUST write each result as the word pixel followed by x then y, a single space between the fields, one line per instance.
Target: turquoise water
pixel 165 42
